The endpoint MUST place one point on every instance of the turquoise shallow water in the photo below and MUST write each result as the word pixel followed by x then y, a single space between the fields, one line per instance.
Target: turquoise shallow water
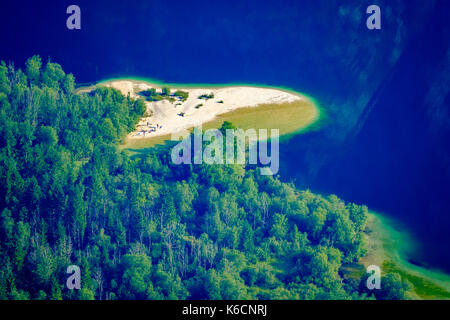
pixel 400 247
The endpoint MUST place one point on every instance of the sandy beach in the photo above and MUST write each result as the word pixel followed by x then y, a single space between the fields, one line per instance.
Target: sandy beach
pixel 175 114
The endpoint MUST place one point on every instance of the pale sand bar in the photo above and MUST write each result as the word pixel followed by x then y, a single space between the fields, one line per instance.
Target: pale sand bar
pixel 171 117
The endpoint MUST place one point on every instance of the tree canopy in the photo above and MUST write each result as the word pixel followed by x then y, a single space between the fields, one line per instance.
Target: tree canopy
pixel 141 227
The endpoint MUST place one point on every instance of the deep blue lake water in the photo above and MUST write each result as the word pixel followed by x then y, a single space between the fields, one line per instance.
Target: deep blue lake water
pixel 386 91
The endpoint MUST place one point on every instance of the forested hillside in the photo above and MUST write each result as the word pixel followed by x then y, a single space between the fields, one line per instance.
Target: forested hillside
pixel 143 228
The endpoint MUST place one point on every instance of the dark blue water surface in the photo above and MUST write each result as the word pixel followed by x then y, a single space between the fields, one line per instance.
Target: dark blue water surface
pixel 385 142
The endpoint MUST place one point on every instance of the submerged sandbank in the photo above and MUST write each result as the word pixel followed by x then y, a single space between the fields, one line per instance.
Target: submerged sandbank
pixel 392 247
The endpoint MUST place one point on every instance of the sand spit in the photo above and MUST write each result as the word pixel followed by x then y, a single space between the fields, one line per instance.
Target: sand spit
pixel 174 114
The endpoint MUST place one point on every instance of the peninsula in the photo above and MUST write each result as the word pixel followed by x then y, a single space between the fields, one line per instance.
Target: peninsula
pixel 172 108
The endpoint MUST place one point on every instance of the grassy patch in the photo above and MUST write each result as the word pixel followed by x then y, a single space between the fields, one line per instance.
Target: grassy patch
pixel 206 96
pixel 182 95
pixel 153 95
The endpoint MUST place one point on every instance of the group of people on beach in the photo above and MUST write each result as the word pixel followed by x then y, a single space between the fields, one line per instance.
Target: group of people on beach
pixel 151 127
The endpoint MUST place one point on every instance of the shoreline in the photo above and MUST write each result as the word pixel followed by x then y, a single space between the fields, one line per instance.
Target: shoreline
pixel 176 85
pixel 391 246
pixel 246 106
